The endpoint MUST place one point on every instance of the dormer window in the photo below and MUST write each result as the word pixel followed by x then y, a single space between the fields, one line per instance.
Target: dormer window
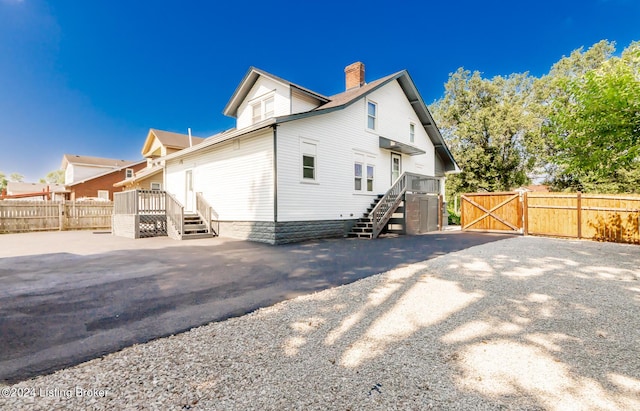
pixel 262 110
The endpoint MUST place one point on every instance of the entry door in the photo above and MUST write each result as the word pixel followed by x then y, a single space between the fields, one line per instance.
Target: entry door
pixel 189 194
pixel 396 166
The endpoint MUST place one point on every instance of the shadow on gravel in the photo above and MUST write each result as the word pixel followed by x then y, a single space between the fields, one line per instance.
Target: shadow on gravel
pixel 550 325
pixel 57 310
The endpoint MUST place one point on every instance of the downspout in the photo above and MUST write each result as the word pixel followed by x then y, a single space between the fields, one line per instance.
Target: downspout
pixel 275 174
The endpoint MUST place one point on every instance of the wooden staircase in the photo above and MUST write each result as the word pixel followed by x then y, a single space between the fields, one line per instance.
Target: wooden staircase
pixel 194 227
pixel 364 227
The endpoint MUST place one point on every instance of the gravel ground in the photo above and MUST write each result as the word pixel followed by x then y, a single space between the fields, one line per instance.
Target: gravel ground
pixel 524 323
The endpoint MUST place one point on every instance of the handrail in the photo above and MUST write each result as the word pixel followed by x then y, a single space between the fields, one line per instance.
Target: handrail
pixel 407 182
pixel 383 211
pixel 203 208
pixel 175 215
pixel 125 202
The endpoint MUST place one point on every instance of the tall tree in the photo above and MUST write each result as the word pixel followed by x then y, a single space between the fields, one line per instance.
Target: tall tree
pixel 595 127
pixel 16 177
pixel 54 177
pixel 492 129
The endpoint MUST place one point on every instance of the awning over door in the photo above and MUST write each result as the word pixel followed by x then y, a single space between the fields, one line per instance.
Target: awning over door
pixel 398 147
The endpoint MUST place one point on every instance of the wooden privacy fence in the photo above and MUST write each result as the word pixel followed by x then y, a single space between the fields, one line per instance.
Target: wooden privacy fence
pixel 575 215
pixel 24 216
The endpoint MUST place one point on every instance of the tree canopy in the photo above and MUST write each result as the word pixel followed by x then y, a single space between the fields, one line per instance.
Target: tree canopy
pixel 577 126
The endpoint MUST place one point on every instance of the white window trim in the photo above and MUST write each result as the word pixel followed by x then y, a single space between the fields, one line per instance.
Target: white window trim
pixel 159 185
pixel 261 101
pixel 366 160
pixel 107 197
pixel 303 154
pixel 376 121
pixel 412 132
pixel 127 172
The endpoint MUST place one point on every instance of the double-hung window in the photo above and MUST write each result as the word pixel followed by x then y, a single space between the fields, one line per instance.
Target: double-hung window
pixel 363 173
pixel 308 151
pixel 128 173
pixel 372 115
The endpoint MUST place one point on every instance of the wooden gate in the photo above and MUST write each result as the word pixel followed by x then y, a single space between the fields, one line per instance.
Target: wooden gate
pixel 498 212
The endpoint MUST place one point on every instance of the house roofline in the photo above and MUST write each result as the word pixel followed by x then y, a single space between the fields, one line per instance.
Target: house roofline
pixel 113 170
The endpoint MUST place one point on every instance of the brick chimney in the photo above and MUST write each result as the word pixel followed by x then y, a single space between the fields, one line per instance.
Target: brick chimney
pixel 354 75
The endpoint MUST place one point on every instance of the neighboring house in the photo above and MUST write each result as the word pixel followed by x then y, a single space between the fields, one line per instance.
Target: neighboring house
pixel 157 144
pixel 77 168
pixel 302 165
pixel 101 185
pixel 57 191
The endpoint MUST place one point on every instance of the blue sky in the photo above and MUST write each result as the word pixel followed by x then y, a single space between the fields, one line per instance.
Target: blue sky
pixel 91 77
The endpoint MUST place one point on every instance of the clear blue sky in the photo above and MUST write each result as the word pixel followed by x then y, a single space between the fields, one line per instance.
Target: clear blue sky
pixel 91 77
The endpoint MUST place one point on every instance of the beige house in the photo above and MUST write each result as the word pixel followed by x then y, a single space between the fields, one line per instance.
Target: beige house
pixel 159 143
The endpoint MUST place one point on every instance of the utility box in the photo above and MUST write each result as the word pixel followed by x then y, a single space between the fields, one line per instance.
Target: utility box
pixel 421 213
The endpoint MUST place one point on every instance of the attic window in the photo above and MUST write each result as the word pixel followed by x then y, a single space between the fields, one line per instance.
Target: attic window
pixel 262 110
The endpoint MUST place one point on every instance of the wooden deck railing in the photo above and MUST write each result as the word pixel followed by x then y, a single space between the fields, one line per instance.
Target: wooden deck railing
pixel 175 217
pixel 125 202
pixel 388 204
pixel 204 210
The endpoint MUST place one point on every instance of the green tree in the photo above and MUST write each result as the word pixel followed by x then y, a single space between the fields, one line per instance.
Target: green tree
pixel 594 125
pixel 492 129
pixel 54 177
pixel 3 181
pixel 16 177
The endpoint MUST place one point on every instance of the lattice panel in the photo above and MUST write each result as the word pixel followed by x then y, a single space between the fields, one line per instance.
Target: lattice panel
pixel 152 226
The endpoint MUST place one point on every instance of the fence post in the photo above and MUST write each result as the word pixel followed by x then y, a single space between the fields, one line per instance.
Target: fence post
pixel 61 215
pixel 525 213
pixel 440 211
pixel 579 206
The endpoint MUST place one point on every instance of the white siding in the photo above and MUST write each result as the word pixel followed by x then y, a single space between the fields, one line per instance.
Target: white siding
pixel 236 179
pixel 340 136
pixel 301 103
pixel 75 172
pixel 263 87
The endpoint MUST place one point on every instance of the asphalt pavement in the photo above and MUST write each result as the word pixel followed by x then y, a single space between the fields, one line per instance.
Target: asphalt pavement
pixel 68 297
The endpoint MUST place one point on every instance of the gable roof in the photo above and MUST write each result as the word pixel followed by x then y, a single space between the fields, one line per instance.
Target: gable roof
pixel 169 139
pixel 336 102
pixel 250 79
pixel 93 161
pixel 114 170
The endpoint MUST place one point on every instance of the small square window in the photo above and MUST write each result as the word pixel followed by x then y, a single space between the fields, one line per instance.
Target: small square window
pixel 372 114
pixel 308 167
pixel 128 173
pixel 156 186
pixel 104 194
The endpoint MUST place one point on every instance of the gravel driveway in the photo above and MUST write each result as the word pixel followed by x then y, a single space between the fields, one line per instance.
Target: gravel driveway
pixel 523 323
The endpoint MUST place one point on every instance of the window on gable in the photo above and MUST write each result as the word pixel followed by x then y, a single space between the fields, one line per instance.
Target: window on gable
pixel 256 111
pixel 156 186
pixel 372 115
pixel 268 108
pixel 412 132
pixel 263 109
pixel 128 173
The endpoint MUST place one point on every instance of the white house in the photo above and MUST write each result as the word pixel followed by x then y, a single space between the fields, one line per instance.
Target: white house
pixel 302 165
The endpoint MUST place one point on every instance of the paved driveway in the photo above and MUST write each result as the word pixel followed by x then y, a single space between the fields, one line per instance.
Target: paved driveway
pixel 66 297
